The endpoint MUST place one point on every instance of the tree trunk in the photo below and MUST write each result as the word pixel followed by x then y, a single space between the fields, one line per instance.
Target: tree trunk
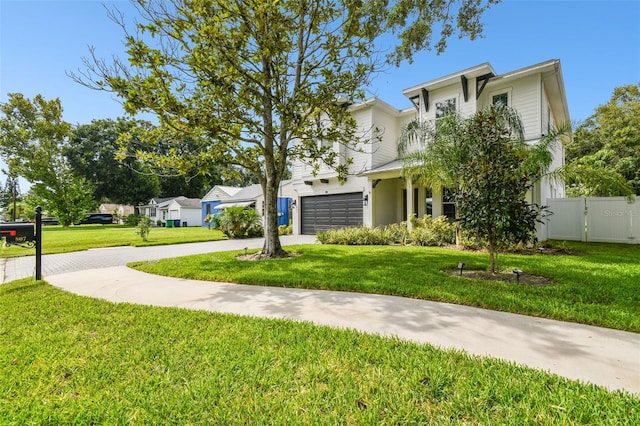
pixel 492 251
pixel 271 247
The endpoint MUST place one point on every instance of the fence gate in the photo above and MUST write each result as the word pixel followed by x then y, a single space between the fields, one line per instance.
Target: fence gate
pixel 606 219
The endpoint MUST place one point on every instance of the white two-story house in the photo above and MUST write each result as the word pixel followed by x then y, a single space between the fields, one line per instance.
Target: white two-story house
pixel 375 194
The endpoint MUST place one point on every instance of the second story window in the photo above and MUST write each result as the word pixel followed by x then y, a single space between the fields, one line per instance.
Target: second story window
pixel 446 107
pixel 501 99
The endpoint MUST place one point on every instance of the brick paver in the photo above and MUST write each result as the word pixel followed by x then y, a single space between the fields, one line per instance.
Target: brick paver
pixel 53 264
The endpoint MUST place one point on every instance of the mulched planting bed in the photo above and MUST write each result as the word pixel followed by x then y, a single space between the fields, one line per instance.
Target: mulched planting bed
pixel 505 276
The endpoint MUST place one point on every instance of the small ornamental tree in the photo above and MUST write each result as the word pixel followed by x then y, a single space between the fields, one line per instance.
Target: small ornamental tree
pixel 495 180
pixel 144 226
pixel 486 164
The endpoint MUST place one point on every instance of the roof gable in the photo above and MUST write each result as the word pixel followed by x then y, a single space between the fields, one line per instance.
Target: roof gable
pixel 188 202
pixel 251 192
pixel 447 80
pixel 221 192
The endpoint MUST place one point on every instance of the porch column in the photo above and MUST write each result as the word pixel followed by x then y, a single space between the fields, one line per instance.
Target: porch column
pixel 409 206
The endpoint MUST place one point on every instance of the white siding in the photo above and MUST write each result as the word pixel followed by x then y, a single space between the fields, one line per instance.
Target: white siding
pixel 363 153
pixel 385 151
pixel 216 194
pixel 525 97
pixel 526 100
pixel 439 95
pixel 191 216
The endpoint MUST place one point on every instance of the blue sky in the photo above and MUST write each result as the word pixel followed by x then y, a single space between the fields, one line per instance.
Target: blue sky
pixel 598 43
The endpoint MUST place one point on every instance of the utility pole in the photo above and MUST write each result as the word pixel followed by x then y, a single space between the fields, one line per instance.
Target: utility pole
pixel 15 195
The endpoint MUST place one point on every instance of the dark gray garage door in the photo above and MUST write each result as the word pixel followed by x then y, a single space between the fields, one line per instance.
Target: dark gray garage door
pixel 330 211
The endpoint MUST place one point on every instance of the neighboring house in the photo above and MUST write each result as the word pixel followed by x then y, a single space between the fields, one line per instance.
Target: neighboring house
pixel 376 195
pixel 183 211
pixel 120 210
pixel 252 196
pixel 215 196
pixel 157 209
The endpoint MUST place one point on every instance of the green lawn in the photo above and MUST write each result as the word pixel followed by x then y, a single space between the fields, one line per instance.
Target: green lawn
pixel 66 359
pixel 599 287
pixel 56 239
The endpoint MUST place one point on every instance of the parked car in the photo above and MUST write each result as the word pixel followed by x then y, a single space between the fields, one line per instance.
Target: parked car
pixel 50 221
pixel 97 219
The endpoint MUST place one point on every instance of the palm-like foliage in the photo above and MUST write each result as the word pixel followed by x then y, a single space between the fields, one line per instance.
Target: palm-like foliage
pixel 241 222
pixel 433 152
pixel 592 180
pixel 487 164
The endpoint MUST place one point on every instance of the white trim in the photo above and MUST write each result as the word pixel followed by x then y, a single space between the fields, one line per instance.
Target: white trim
pixel 227 205
pixel 506 90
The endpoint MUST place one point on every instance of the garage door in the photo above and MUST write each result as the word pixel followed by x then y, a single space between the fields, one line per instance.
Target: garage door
pixel 330 211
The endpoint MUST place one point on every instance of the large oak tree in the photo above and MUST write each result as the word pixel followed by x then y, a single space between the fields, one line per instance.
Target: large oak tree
pixel 260 82
pixel 92 152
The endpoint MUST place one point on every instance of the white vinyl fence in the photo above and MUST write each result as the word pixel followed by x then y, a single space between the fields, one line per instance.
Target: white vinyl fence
pixel 610 220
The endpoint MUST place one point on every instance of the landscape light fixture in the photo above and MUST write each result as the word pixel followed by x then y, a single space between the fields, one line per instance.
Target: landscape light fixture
pixel 541 249
pixel 461 267
pixel 518 272
pixel 245 250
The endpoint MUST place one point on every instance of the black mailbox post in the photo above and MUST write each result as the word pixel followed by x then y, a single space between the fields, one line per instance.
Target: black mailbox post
pixel 18 233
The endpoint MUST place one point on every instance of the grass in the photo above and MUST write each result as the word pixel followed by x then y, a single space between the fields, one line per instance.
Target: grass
pixel 599 287
pixel 66 359
pixel 56 239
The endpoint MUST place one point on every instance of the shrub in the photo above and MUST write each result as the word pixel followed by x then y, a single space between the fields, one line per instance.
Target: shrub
pixel 423 237
pixel 144 225
pixel 213 220
pixel 399 233
pixel 356 236
pixel 433 232
pixel 425 232
pixel 132 220
pixel 285 230
pixel 240 222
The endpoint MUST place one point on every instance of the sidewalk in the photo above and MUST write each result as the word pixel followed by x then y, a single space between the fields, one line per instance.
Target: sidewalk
pixel 605 357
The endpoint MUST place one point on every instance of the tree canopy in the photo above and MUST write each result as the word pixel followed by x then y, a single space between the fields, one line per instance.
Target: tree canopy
pixel 10 196
pixel 92 151
pixel 610 138
pixel 33 137
pixel 260 83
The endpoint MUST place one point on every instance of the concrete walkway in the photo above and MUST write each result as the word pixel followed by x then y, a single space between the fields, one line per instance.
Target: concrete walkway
pixel 601 356
pixel 605 357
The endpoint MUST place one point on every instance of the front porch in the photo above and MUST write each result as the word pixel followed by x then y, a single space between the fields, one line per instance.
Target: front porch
pixel 394 199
